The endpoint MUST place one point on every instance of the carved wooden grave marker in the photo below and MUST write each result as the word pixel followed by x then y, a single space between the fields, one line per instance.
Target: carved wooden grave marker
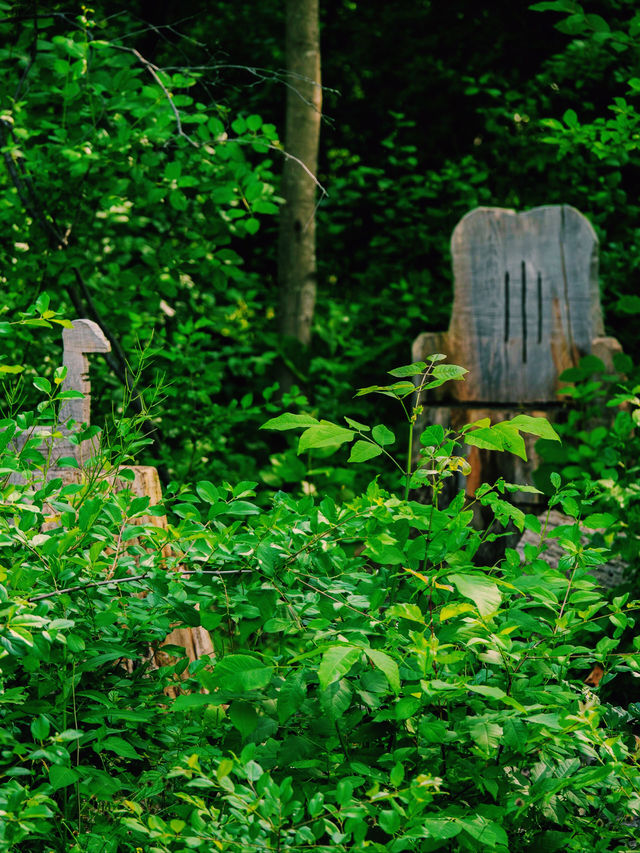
pixel 84 338
pixel 526 307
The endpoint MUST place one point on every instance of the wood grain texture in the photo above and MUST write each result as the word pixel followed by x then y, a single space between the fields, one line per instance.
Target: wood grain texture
pixel 84 338
pixel 526 307
pixel 526 301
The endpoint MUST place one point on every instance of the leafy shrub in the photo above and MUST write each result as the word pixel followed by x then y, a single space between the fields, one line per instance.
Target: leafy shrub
pixel 372 687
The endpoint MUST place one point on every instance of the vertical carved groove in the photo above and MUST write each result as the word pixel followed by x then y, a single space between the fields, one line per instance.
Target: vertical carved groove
pixel 506 306
pixel 524 313
pixel 539 308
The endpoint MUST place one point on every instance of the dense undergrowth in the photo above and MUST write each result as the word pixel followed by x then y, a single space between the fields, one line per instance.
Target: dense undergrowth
pixel 372 686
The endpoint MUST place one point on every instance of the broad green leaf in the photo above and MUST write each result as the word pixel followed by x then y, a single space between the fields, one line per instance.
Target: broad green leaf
pixel 383 435
pixel 513 441
pixel 40 727
pixel 62 777
pixel 324 434
pixel 11 368
pixel 364 450
pixel 409 370
pixel 42 384
pixel 118 745
pixel 451 610
pixel 448 372
pixel 440 829
pixel 432 436
pixel 406 611
pixel 207 492
pixel 290 697
pixel 289 420
pixel 568 6
pixel 599 519
pixel 240 673
pixel 485 438
pixel 190 700
pixel 398 390
pixel 357 425
pixel 241 508
pixel 382 551
pixel 487 690
pixel 386 665
pixel 485 734
pixel 535 426
pixel 336 662
pixel 486 833
pixel 483 592
pixel 336 699
pixel 244 717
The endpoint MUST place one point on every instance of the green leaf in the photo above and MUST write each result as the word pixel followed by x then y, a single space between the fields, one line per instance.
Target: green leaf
pixel 289 420
pixel 398 390
pixel 455 609
pixel 487 690
pixel 336 698
pixel 207 492
pixel 254 122
pixel 485 734
pixel 513 441
pixel 447 372
pixel 535 426
pixel 118 745
pixel 190 700
pixel 432 436
pixel 486 833
pixel 42 302
pixel 290 697
pixel 40 727
pixel 240 673
pixel 42 384
pixel 364 450
pixel 555 6
pixel 406 611
pixel 599 519
pixel 75 643
pixel 383 550
pixel 570 118
pixel 336 662
pixel 244 717
pixel 483 592
pixel 386 665
pixel 485 438
pixel 357 426
pixel 414 369
pixel 324 435
pixel 11 368
pixel 62 777
pixel 241 508
pixel 383 435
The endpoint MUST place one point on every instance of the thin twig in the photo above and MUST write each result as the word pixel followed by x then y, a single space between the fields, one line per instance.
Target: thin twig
pixel 130 579
pixel 154 71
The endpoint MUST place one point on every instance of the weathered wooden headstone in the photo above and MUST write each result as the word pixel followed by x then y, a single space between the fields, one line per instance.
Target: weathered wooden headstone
pixel 84 338
pixel 526 307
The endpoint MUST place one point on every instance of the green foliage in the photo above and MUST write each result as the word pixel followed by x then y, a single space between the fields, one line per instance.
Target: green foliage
pixel 600 452
pixel 128 191
pixel 372 686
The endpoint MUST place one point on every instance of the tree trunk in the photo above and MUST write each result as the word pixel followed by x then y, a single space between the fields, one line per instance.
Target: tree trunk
pixel 297 242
